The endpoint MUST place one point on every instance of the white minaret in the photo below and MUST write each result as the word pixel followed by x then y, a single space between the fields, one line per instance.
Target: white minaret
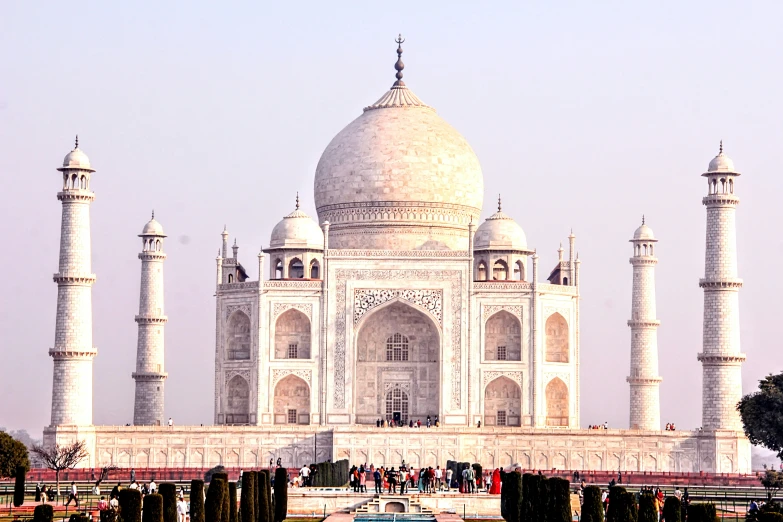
pixel 149 374
pixel 721 359
pixel 73 350
pixel 645 404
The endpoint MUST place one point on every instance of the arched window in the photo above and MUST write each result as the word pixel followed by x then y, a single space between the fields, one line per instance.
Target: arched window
pixel 295 269
pixel 397 405
pixel 556 403
pixel 519 271
pixel 556 339
pixel 292 401
pixel 499 271
pixel 503 338
pixel 278 269
pixel 238 337
pixel 315 272
pixel 565 281
pixel 238 401
pixel 292 335
pixel 482 271
pixel 397 348
pixel 230 278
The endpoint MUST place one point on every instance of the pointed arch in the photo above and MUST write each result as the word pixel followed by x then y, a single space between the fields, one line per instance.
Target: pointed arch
pixel 503 337
pixel 296 269
pixel 481 271
pixel 238 337
pixel 237 401
pixel 557 339
pixel 278 266
pixel 315 269
pixel 292 401
pixel 499 271
pixel 519 270
pixel 557 403
pixel 503 403
pixel 292 335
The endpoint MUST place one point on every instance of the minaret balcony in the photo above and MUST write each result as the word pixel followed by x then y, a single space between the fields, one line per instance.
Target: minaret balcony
pixel 727 283
pixel 72 353
pixel 76 195
pixel 644 380
pixel 720 200
pixel 643 260
pixel 149 376
pixel 644 323
pixel 152 255
pixel 151 319
pixel 721 359
pixel 68 278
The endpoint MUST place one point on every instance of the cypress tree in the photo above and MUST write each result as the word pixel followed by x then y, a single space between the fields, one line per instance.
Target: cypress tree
pixel 197 500
pixel 248 499
pixel 672 509
pixel 542 501
pixel 526 510
pixel 213 506
pixel 225 512
pixel 153 508
pixel 503 494
pixel 43 513
pixel 168 490
pixel 281 494
pixel 130 505
pixel 559 509
pixel 257 499
pixel 592 510
pixel 616 503
pixel 647 508
pixel 19 478
pixel 263 496
pixel 232 502
pixel 511 496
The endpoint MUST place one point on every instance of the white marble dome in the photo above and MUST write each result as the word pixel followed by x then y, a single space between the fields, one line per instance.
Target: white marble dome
pixel 721 163
pixel 399 177
pixel 152 228
pixel 499 232
pixel 644 233
pixel 76 159
pixel 297 230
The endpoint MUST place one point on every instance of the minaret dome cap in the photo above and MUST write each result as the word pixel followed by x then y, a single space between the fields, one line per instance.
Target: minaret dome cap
pixel 644 233
pixel 152 228
pixel 76 159
pixel 721 164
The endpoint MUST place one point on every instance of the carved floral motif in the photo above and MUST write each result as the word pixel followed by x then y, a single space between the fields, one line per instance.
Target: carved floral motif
pixel 365 299
pixel 306 308
pixel 278 375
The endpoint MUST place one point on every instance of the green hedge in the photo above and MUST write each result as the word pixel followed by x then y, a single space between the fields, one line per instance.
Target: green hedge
pixel 592 509
pixel 526 509
pixel 130 505
pixel 672 509
pixel 511 496
pixel 19 478
pixel 232 501
pixel 702 513
pixel 648 511
pixel 770 516
pixel 208 475
pixel 257 499
pixel 248 500
pixel 197 500
pixel 43 513
pixel 559 509
pixel 168 491
pixel 153 508
pixel 213 506
pixel 263 496
pixel 281 494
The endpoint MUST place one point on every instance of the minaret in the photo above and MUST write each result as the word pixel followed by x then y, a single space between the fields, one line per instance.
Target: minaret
pixel 73 351
pixel 721 359
pixel 149 374
pixel 645 401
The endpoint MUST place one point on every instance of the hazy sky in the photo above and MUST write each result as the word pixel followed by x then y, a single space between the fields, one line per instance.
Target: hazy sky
pixel 583 114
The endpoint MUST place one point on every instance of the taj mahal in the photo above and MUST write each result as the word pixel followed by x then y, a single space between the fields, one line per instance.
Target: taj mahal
pixel 399 304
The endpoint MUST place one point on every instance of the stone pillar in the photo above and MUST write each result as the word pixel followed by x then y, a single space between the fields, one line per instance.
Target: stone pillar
pixel 149 374
pixel 721 358
pixel 534 343
pixel 571 261
pixel 645 403
pixel 73 351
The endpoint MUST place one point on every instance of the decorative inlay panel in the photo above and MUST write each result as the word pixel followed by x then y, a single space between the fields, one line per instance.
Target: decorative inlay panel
pixel 565 377
pixel 515 310
pixel 514 376
pixel 278 375
pixel 306 308
pixel 345 275
pixel 402 254
pixel 562 310
pixel 365 299
pixel 230 309
pixel 245 374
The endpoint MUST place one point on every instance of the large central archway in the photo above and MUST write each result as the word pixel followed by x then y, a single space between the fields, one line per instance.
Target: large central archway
pixel 397 356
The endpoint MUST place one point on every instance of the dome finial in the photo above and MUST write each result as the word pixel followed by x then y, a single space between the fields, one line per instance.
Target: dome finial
pixel 399 66
pixel 297 200
pixel 498 202
pixel 642 219
pixel 76 146
pixel 153 213
pixel 720 150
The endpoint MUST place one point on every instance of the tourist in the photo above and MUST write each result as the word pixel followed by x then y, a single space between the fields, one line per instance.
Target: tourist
pixel 478 424
pixel 438 479
pixel 404 478
pixel 495 489
pixel 429 421
pixel 171 422
pixel 133 485
pixel 182 510
pixel 44 494
pixel 391 476
pixel 114 503
pixel 305 474
pixel 133 475
pixel 153 487
pixel 449 474
pixel 471 476
pixel 418 423
pixel 102 504
pixel 753 509
pixel 362 480
pixel 410 423
pixel 74 495
pixel 678 493
pixel 376 475
pixel 437 423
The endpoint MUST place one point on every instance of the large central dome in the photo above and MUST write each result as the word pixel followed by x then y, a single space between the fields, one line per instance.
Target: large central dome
pixel 399 177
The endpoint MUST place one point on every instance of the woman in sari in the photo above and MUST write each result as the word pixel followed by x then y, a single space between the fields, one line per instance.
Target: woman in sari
pixel 495 489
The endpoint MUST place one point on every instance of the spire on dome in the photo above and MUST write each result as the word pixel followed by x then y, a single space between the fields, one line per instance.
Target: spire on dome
pixel 499 208
pixel 399 66
pixel 720 150
pixel 642 219
pixel 76 146
pixel 153 213
pixel 297 200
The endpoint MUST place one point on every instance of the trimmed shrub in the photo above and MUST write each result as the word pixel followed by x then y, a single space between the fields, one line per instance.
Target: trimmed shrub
pixel 672 509
pixel 19 477
pixel 647 508
pixel 220 474
pixel 592 508
pixel 43 513
pixel 281 494
pixel 526 507
pixel 263 496
pixel 130 505
pixel 541 501
pixel 168 490
pixel 225 513
pixel 559 509
pixel 511 496
pixel 771 516
pixel 153 508
pixel 232 502
pixel 209 473
pixel 213 506
pixel 197 500
pixel 702 512
pixel 616 502
pixel 247 507
pixel 257 499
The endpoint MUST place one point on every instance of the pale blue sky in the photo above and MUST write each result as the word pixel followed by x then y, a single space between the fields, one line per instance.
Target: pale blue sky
pixel 583 114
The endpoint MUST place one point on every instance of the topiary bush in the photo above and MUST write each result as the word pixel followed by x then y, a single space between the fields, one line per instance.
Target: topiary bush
pixel 232 502
pixel 541 500
pixel 168 491
pixel 770 516
pixel 702 512
pixel 43 513
pixel 225 512
pixel 247 508
pixel 153 508
pixel 197 500
pixel 616 504
pixel 257 499
pixel 263 496
pixel 281 494
pixel 130 505
pixel 559 509
pixel 526 508
pixel 511 496
pixel 648 512
pixel 592 508
pixel 672 509
pixel 19 478
pixel 213 506
pixel 209 473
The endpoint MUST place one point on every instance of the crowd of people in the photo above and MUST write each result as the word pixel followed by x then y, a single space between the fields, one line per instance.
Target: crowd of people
pixel 670 426
pixel 604 426
pixel 391 423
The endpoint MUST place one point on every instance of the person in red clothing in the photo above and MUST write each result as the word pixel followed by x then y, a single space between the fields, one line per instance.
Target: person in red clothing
pixel 495 488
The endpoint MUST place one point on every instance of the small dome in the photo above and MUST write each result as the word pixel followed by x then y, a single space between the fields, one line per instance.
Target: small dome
pixel 500 232
pixel 153 228
pixel 297 230
pixel 721 163
pixel 76 159
pixel 644 232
